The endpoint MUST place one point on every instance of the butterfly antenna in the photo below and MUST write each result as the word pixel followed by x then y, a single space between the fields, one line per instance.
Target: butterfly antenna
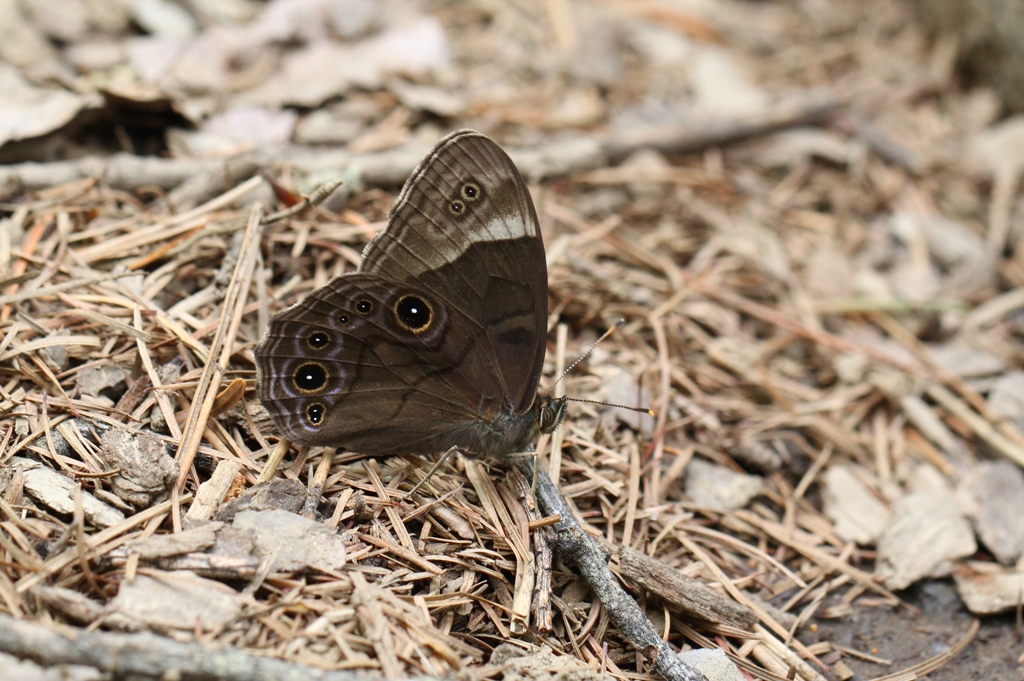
pixel 642 410
pixel 582 357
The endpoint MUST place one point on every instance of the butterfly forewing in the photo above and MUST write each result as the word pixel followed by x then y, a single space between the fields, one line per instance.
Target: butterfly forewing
pixel 464 228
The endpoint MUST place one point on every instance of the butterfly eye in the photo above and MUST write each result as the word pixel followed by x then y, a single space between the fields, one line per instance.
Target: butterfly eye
pixel 413 313
pixel 457 207
pixel 364 307
pixel 310 377
pixel 470 191
pixel 315 413
pixel 318 340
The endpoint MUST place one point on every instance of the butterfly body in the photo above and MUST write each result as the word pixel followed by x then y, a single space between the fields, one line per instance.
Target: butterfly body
pixel 438 340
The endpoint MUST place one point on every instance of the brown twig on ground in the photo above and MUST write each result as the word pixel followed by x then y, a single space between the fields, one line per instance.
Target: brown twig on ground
pixel 576 545
pixel 194 180
pixel 149 656
pixel 694 135
pixel 691 596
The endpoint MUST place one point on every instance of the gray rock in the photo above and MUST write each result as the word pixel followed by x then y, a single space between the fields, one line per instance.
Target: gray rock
pixel 993 495
pixel 293 542
pixel 56 491
pixel 713 663
pixel 145 470
pixel 858 514
pixel 93 380
pixel 986 591
pixel 1006 398
pixel 282 493
pixel 173 600
pixel 926 533
pixel 718 487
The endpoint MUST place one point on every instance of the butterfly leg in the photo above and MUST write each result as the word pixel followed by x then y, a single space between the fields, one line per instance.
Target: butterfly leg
pixel 536 463
pixel 433 469
pixel 532 454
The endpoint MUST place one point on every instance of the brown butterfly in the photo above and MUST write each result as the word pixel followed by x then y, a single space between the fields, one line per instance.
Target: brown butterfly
pixel 438 340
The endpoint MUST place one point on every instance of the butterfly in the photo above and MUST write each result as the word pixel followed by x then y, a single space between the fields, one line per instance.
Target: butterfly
pixel 437 341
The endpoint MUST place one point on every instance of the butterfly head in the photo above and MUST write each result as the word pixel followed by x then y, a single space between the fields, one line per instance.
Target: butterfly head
pixel 550 412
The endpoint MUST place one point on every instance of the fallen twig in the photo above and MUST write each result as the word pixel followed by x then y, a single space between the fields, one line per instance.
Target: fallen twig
pixel 150 656
pixel 696 134
pixel 579 547
pixel 690 596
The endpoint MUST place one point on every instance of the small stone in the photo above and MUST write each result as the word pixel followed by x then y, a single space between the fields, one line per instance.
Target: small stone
pixel 505 652
pixel 282 493
pixel 293 542
pixel 173 600
pixel 252 126
pixel 988 590
pixel 722 86
pixel 94 380
pixel 66 21
pixel 56 492
pixel 713 663
pixel 851 367
pixel 994 498
pixel 533 661
pixel 842 671
pixel 858 514
pixel 146 471
pixel 95 55
pixel 578 107
pixel 926 533
pixel 1006 398
pixel 351 19
pixel 720 488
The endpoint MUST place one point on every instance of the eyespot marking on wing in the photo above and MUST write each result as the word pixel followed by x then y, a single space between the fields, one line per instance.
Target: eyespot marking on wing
pixel 315 414
pixel 413 313
pixel 310 377
pixel 318 340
